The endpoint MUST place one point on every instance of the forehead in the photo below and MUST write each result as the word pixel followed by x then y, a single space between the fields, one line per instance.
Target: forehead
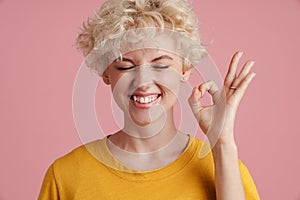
pixel 149 55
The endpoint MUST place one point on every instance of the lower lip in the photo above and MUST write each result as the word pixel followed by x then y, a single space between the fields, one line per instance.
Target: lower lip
pixel 145 105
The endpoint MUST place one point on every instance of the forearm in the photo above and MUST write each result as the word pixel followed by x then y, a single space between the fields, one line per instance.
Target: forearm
pixel 227 172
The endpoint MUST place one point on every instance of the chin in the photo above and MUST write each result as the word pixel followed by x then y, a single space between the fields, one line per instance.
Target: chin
pixel 141 118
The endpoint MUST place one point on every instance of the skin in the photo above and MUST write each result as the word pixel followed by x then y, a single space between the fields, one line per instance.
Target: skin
pixel 167 134
pixel 227 173
pixel 225 104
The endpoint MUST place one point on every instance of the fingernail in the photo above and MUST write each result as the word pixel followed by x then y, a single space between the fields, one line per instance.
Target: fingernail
pixel 250 63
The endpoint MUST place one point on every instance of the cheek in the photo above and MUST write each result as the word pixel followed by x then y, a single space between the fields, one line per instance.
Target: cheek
pixel 170 80
pixel 120 88
pixel 115 81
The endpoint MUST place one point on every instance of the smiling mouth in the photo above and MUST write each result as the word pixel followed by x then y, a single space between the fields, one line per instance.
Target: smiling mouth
pixel 145 99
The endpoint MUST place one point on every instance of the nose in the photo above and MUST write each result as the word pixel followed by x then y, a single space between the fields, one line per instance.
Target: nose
pixel 143 77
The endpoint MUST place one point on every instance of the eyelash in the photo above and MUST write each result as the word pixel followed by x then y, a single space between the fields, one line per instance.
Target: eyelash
pixel 132 67
pixel 125 68
pixel 160 67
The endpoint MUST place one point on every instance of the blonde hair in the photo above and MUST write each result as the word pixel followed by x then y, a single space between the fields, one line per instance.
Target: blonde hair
pixel 118 16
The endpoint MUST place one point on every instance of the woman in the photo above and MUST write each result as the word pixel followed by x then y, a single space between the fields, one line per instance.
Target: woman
pixel 144 49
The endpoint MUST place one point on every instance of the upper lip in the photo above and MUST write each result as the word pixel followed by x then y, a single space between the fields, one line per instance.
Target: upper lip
pixel 144 94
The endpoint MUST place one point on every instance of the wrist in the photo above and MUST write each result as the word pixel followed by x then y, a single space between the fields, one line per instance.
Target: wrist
pixel 225 149
pixel 225 137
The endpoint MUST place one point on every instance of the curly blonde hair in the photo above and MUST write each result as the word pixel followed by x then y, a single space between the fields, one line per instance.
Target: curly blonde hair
pixel 117 16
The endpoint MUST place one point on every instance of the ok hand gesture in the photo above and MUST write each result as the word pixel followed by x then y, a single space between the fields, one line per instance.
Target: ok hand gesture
pixel 217 120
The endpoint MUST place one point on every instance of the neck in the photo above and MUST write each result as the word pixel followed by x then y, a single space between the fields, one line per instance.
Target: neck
pixel 150 138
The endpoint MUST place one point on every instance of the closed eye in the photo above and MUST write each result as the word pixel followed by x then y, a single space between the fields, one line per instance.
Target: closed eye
pixel 160 67
pixel 125 68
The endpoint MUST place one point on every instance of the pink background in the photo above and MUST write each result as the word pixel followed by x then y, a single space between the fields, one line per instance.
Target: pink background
pixel 39 63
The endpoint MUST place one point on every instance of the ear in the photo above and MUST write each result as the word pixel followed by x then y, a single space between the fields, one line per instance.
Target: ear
pixel 106 78
pixel 186 74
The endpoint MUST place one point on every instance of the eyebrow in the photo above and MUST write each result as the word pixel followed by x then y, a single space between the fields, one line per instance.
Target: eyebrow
pixel 155 59
pixel 122 59
pixel 162 57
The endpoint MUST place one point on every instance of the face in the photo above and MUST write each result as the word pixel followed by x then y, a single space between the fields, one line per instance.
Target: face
pixel 145 83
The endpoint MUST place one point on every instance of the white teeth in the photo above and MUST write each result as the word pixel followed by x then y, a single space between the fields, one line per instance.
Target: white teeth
pixel 147 100
pixel 144 100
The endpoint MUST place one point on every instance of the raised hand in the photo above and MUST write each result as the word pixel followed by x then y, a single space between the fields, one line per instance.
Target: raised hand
pixel 217 120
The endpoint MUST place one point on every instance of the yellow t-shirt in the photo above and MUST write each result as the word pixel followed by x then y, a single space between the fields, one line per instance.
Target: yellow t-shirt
pixel 79 175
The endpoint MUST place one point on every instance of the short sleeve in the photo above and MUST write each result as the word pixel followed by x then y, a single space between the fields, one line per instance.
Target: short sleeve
pixel 248 183
pixel 49 190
